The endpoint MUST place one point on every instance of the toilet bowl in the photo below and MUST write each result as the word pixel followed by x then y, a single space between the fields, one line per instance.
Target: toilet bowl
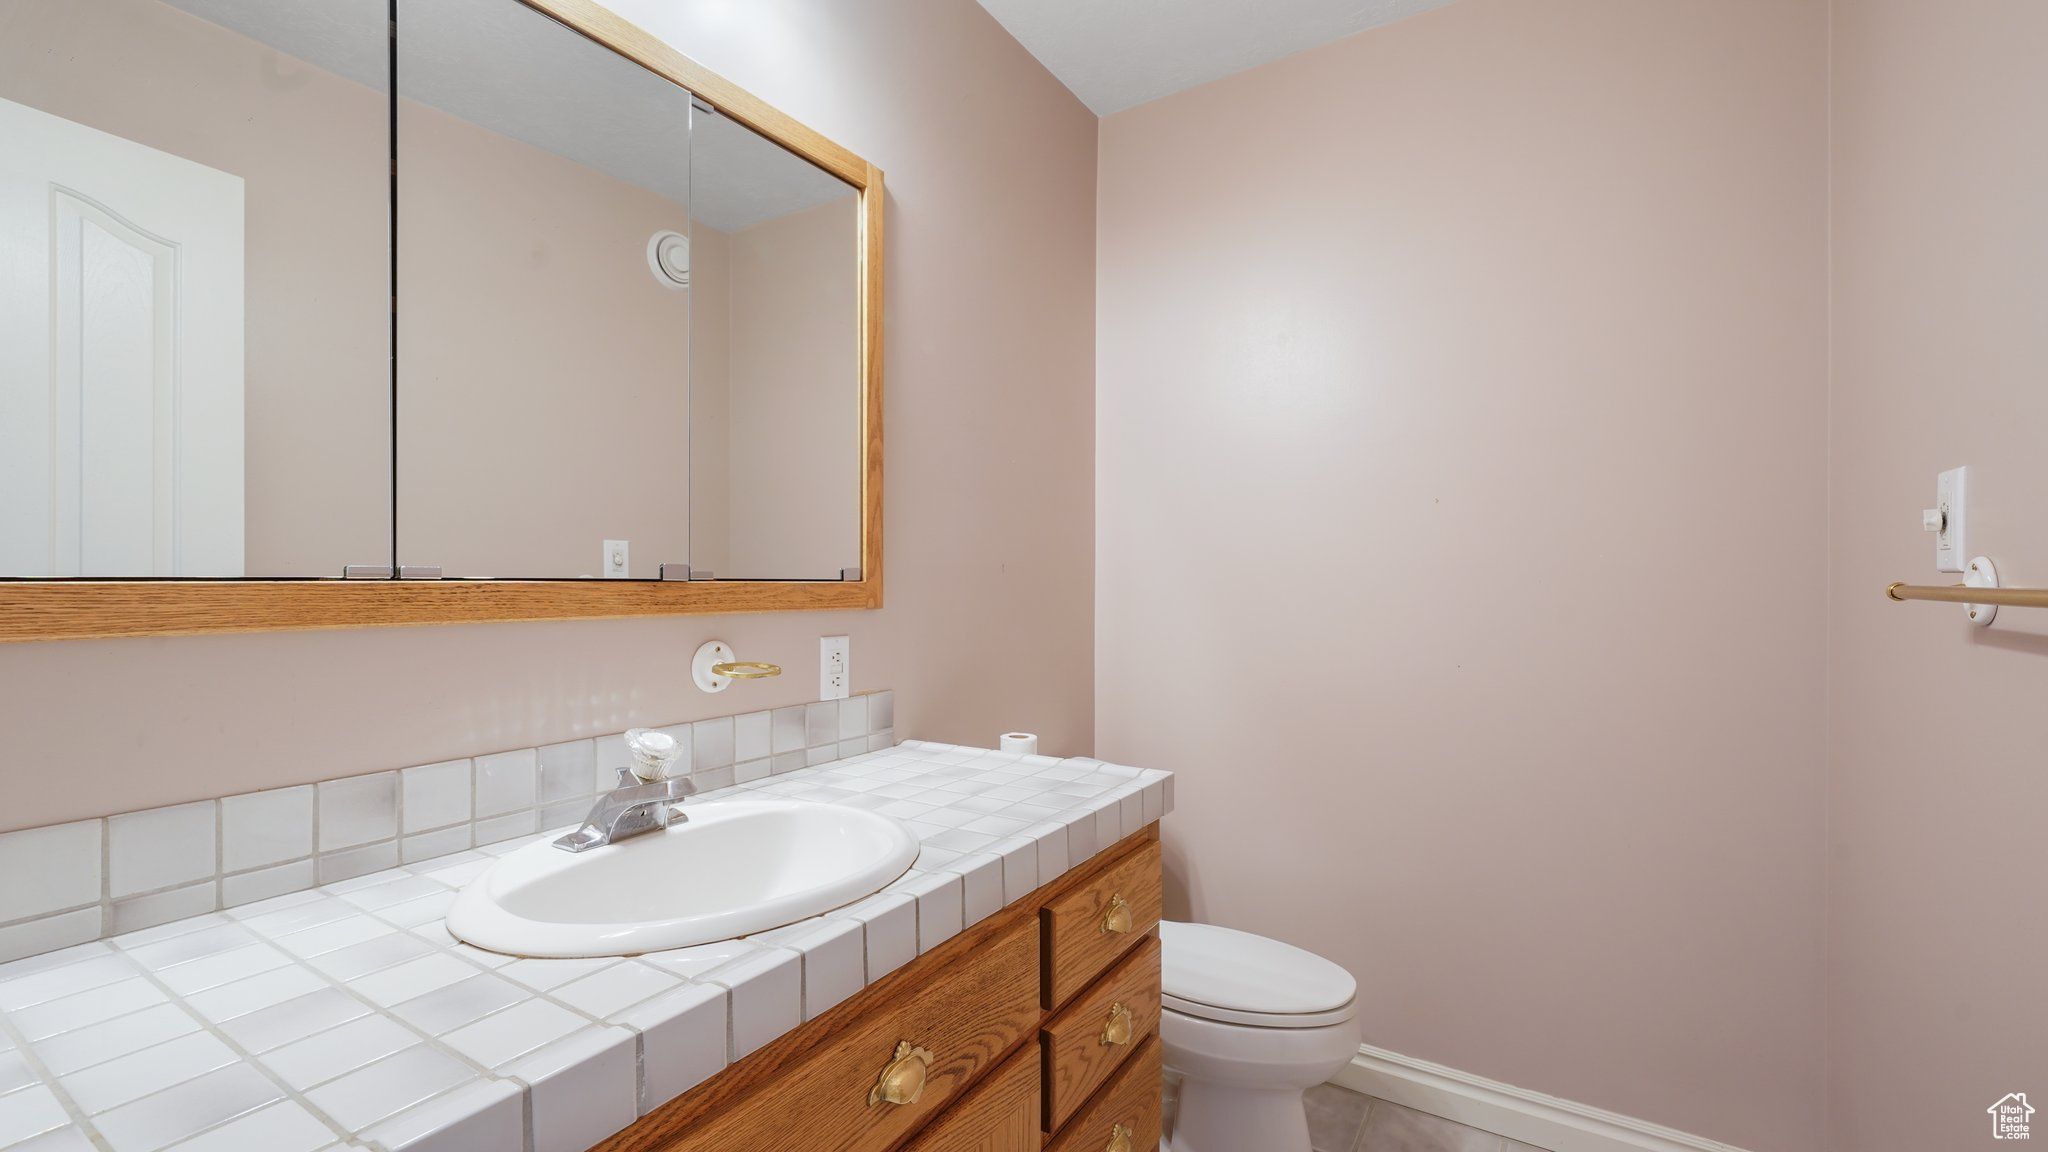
pixel 1248 1025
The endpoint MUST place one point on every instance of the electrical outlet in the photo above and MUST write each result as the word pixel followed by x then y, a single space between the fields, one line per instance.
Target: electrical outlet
pixel 835 667
pixel 616 556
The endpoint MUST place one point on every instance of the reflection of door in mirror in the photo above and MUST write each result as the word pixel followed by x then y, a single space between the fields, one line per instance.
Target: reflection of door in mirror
pixel 775 368
pixel 194 288
pixel 120 356
pixel 543 328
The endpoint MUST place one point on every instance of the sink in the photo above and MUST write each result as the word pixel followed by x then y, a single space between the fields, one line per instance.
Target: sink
pixel 733 868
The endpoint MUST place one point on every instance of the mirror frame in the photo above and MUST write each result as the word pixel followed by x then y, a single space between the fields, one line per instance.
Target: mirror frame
pixel 80 609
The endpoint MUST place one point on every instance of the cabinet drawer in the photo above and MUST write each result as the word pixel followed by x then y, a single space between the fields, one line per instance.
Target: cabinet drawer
pixel 935 1040
pixel 1000 1114
pixel 1088 927
pixel 1092 1036
pixel 1123 1116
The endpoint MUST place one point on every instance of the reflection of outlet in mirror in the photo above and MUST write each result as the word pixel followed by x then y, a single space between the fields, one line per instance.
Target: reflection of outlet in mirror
pixel 835 667
pixel 1949 520
pixel 617 560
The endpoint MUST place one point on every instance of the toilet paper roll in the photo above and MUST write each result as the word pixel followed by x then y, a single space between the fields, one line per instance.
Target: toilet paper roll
pixel 1021 742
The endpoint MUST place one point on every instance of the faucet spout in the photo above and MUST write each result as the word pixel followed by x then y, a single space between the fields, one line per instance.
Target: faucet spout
pixel 632 809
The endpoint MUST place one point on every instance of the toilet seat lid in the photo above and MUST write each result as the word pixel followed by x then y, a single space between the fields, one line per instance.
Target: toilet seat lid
pixel 1238 978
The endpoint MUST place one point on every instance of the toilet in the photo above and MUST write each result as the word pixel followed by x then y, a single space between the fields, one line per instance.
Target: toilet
pixel 1249 1024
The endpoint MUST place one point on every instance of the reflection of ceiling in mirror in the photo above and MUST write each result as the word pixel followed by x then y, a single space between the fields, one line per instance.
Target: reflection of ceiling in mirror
pixel 478 60
pixel 742 179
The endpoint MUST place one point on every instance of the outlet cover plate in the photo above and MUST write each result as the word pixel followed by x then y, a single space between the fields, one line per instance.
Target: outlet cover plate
pixel 835 667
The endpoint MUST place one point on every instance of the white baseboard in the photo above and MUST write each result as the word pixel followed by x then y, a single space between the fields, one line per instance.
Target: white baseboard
pixel 1516 1113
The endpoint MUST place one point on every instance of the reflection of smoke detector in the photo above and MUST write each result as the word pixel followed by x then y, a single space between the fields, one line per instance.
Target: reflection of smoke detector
pixel 668 256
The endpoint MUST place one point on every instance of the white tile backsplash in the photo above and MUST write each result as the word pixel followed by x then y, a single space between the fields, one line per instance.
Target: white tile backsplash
pixel 50 933
pixel 350 863
pixel 265 883
pixel 786 730
pixel 262 828
pixel 507 782
pixel 711 745
pixel 568 771
pixel 358 810
pixel 80 881
pixel 61 865
pixel 750 736
pixel 161 848
pixel 435 795
pixel 163 907
pixel 853 719
pixel 821 723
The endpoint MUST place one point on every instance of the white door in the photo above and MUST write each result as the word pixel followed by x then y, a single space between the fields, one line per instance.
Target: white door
pixel 120 356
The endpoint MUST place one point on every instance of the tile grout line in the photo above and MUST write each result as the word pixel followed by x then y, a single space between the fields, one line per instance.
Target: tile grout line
pixel 35 1061
pixel 206 1026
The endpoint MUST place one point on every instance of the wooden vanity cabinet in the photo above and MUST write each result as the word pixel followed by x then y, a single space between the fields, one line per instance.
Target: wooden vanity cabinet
pixel 1035 1029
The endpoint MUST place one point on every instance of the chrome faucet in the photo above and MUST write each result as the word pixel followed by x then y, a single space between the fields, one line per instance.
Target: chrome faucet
pixel 633 808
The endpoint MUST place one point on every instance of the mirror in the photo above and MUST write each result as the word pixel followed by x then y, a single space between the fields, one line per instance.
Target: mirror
pixel 543 343
pixel 563 305
pixel 775 379
pixel 195 330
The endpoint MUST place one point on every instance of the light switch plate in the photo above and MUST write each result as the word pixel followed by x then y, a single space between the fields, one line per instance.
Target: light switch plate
pixel 617 560
pixel 835 667
pixel 1952 540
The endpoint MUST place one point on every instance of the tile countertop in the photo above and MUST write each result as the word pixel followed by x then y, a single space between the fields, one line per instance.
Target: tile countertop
pixel 347 1017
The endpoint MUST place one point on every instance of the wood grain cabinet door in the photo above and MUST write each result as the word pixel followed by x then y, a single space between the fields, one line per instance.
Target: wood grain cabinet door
pixel 1000 1114
pixel 1094 1035
pixel 1089 927
pixel 888 1072
pixel 1125 1114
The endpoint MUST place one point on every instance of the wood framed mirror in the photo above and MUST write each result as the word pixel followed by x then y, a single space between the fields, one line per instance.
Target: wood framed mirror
pixel 313 517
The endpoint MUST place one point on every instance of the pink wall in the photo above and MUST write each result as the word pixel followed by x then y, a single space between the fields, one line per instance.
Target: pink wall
pixel 1938 948
pixel 1461 533
pixel 991 165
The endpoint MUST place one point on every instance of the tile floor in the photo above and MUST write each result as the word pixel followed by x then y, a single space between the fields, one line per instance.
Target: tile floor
pixel 1344 1121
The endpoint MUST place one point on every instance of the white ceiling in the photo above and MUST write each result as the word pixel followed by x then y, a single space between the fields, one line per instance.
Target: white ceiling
pixel 1116 54
pixel 506 68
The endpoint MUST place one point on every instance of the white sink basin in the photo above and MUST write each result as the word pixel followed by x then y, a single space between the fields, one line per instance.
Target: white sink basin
pixel 732 869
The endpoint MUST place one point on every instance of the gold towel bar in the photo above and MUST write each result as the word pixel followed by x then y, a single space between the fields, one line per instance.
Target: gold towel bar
pixel 1964 594
pixel 1979 592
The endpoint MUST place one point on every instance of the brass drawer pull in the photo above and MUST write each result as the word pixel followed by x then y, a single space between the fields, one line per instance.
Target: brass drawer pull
pixel 1119 1139
pixel 902 1081
pixel 1118 1030
pixel 1117 917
